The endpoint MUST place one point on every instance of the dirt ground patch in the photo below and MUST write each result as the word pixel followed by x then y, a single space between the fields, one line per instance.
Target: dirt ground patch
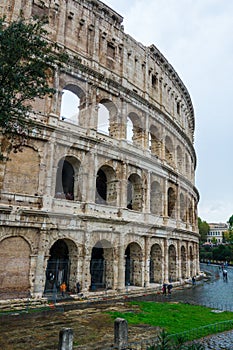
pixel 93 328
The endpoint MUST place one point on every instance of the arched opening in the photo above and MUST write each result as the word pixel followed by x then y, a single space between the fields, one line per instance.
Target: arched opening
pixel 171 202
pixel 156 264
pixel 133 265
pixel 172 263
pixel 134 129
pixel 65 180
pixel 183 263
pixel 103 119
pixel 58 267
pixel 155 198
pixel 106 191
pixel 101 266
pixel 154 141
pixel 169 150
pixel 134 193
pixel 14 267
pixel 97 268
pixel 107 118
pixel 101 187
pixel 70 106
pixel 129 131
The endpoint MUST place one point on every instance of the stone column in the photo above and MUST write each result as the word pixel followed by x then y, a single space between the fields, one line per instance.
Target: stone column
pixel 147 192
pixel 123 186
pixel 165 204
pixel 121 264
pixel 89 186
pixel 147 263
pixel 120 333
pixel 86 280
pixel 179 274
pixel 66 339
pixel 40 266
pixel 165 261
pixel 50 175
pixel 188 261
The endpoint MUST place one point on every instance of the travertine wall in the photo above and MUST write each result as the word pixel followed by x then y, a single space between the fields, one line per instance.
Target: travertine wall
pixel 101 208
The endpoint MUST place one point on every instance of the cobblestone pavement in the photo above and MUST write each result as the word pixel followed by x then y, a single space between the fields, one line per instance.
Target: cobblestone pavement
pixel 221 341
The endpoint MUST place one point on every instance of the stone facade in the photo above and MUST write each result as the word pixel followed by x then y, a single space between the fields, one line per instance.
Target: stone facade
pixel 106 197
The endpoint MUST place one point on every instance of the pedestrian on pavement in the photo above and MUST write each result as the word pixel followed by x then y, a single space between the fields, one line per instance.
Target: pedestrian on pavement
pixel 164 289
pixel 78 287
pixel 224 273
pixel 169 289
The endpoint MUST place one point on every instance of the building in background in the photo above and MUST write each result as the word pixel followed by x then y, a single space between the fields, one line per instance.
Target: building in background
pixel 103 193
pixel 215 234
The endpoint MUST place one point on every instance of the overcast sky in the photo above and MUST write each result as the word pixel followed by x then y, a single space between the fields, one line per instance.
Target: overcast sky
pixel 196 36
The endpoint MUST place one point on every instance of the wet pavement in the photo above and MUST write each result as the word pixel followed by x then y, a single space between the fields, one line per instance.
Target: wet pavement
pixel 215 292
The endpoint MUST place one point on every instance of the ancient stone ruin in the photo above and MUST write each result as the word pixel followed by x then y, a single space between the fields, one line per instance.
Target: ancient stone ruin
pixel 103 194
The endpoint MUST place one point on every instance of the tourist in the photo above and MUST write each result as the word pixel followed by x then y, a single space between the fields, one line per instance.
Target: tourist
pixel 78 287
pixel 164 289
pixel 169 289
pixel 63 288
pixel 193 280
pixel 224 275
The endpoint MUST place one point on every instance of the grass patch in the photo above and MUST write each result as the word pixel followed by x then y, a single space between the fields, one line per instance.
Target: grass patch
pixel 173 317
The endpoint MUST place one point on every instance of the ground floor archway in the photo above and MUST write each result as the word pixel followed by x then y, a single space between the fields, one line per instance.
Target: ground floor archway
pixel 58 267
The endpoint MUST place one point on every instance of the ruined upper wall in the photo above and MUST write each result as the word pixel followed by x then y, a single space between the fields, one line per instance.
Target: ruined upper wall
pixel 94 32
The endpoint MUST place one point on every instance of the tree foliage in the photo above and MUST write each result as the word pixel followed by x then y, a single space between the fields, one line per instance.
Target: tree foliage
pixel 27 60
pixel 223 253
pixel 230 222
pixel 203 230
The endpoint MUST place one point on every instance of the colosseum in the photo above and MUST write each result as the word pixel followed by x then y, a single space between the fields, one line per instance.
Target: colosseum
pixel 103 193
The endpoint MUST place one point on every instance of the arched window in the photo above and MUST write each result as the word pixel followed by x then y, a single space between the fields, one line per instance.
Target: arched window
pixel 103 119
pixel 70 107
pixel 154 141
pixel 129 131
pixel 171 202
pixel 107 118
pixel 168 150
pixel 106 192
pixel 134 131
pixel 134 193
pixel 67 186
